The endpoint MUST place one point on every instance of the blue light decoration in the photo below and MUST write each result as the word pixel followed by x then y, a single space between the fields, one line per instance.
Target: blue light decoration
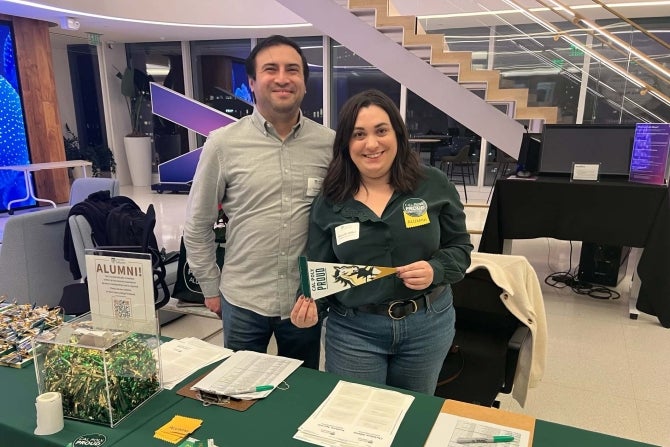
pixel 13 142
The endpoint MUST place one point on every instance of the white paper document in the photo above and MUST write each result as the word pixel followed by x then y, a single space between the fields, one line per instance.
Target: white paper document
pixel 120 287
pixel 449 429
pixel 182 357
pixel 246 370
pixel 356 415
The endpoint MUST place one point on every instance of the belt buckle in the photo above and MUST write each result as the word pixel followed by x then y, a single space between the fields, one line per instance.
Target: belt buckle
pixel 392 304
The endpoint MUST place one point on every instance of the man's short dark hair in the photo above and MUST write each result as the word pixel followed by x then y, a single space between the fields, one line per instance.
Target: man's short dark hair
pixel 272 41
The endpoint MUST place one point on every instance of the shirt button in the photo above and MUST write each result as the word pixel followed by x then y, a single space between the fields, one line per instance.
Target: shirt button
pixel 281 276
pixel 284 225
pixel 283 253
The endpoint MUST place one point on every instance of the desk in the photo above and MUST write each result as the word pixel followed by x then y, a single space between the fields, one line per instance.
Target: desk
pixel 270 422
pixel 605 212
pixel 27 169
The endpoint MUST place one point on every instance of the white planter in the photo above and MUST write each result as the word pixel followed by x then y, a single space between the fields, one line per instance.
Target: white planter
pixel 138 155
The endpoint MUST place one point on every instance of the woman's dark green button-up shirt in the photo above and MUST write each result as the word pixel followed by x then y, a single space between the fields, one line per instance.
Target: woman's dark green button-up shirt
pixel 389 241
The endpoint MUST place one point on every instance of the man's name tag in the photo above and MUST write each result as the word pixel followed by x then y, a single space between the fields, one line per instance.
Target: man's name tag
pixel 313 186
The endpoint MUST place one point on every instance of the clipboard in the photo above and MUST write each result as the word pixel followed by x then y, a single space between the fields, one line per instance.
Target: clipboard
pixel 235 404
pixel 492 415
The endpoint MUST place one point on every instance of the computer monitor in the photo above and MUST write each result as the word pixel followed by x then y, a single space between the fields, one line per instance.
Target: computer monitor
pixel 565 144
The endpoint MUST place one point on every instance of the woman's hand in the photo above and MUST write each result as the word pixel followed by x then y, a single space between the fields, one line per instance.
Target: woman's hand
pixel 304 313
pixel 417 275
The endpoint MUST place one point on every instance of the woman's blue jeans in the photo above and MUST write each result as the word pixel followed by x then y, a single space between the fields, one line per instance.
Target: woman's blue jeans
pixel 406 353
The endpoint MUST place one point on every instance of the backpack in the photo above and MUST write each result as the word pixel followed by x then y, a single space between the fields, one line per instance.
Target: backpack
pixel 128 228
pixel 128 225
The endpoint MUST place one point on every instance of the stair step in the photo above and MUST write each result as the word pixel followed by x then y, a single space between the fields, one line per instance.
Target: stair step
pixel 421 53
pixel 366 16
pixel 375 4
pixel 427 40
pixel 519 95
pixel 394 34
pixel 406 22
pixel 448 70
pixel 490 77
pixel 549 114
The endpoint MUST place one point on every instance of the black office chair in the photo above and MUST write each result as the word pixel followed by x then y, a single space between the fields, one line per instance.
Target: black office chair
pixel 460 166
pixel 506 165
pixel 75 297
pixel 485 352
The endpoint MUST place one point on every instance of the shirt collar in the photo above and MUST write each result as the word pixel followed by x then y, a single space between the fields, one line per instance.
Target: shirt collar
pixel 265 126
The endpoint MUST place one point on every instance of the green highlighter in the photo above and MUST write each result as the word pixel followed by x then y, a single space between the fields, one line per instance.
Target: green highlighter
pixel 483 439
pixel 253 389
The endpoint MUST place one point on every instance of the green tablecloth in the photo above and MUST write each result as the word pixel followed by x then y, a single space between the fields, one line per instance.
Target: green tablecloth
pixel 270 422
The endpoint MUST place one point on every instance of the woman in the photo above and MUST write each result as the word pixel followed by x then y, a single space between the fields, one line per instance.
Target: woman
pixel 379 206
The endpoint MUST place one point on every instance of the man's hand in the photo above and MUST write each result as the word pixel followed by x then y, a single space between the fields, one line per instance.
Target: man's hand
pixel 213 303
pixel 417 275
pixel 304 313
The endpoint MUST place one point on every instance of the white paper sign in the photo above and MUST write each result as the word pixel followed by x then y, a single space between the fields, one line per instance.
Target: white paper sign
pixel 585 171
pixel 120 286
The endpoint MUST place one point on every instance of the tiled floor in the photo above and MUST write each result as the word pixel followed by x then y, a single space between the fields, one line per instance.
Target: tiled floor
pixel 605 372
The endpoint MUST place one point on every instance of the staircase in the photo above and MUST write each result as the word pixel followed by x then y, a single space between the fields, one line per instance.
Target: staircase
pixel 400 48
pixel 457 64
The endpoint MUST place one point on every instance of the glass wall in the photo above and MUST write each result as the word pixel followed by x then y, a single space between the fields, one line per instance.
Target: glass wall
pixel 160 62
pixel 352 74
pixel 312 104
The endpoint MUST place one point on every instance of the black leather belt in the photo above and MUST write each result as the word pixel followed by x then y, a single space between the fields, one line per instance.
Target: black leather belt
pixel 399 309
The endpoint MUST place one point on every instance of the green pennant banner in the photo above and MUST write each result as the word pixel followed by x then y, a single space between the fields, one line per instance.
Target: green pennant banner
pixel 320 279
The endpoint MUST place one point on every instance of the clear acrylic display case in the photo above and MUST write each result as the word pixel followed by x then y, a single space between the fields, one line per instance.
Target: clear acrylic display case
pixel 104 368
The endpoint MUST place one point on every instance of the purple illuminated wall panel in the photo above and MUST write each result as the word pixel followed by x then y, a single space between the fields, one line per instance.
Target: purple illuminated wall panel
pixel 191 114
pixel 180 169
pixel 187 112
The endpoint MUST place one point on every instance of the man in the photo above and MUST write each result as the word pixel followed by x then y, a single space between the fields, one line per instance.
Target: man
pixel 265 171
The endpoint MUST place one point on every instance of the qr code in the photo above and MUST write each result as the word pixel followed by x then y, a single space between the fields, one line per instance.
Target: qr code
pixel 122 308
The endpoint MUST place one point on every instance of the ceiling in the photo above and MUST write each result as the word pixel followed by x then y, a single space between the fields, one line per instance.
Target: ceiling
pixel 227 19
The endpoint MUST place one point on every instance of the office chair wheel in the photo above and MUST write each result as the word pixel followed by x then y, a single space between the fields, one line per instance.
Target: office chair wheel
pixel 633 316
pixel 10 212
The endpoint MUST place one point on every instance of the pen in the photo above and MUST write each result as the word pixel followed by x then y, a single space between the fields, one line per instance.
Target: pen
pixel 502 438
pixel 254 389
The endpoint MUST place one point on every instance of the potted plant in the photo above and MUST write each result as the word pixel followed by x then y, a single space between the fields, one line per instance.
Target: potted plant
pixel 135 89
pixel 100 156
